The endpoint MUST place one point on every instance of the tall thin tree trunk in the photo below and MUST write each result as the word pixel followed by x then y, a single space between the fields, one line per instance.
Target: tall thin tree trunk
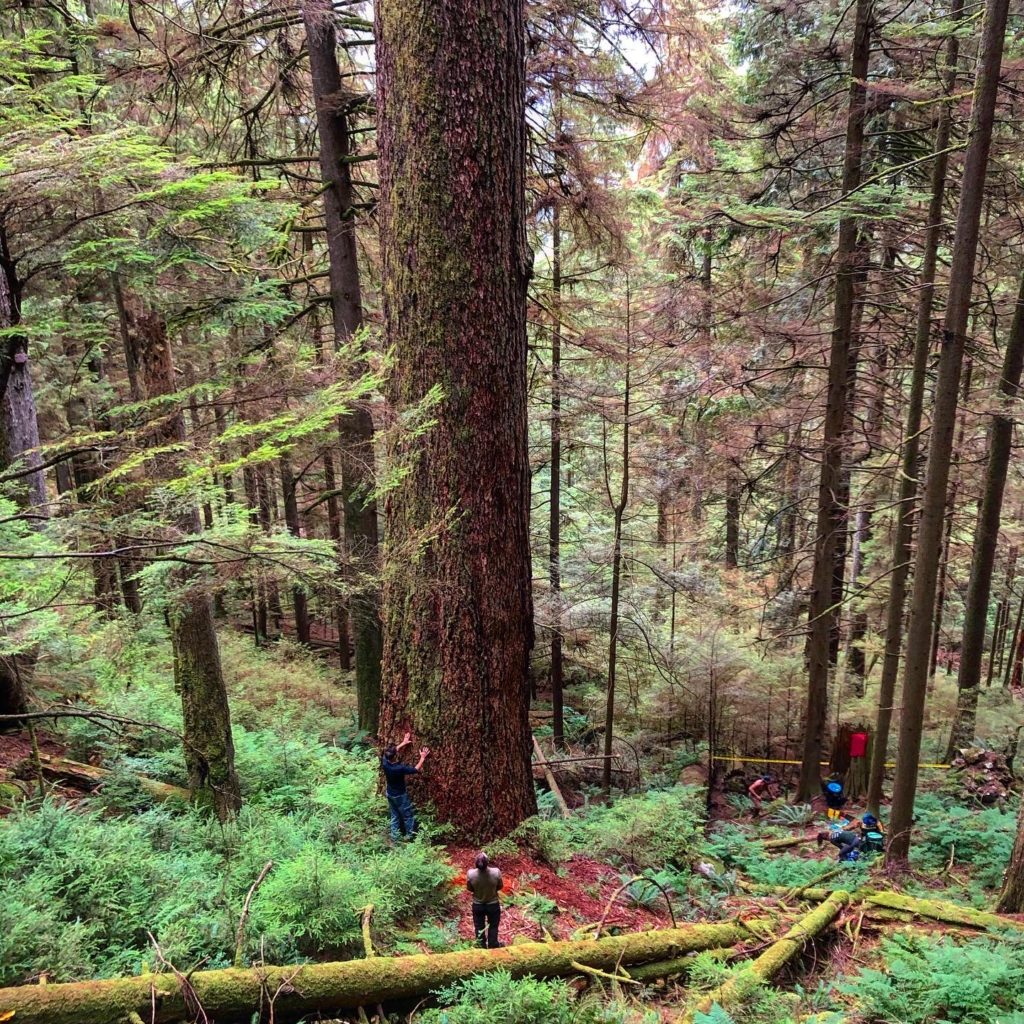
pixel 856 661
pixel 334 531
pixel 732 519
pixel 961 281
pixel 947 536
pixel 206 717
pixel 986 535
pixel 831 515
pixel 555 519
pixel 618 505
pixel 904 533
pixel 356 427
pixel 291 517
pixel 457 591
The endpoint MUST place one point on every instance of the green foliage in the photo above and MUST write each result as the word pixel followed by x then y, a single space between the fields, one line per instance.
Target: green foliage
pixel 80 890
pixel 737 848
pixel 941 981
pixel 534 905
pixel 791 815
pixel 981 838
pixel 648 830
pixel 498 998
pixel 442 937
pixel 651 888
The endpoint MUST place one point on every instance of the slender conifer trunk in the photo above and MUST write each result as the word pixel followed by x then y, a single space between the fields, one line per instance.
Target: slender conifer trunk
pixel 903 535
pixel 831 514
pixel 929 544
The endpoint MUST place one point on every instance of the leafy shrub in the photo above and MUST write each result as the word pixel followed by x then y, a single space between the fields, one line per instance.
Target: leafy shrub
pixel 649 830
pixel 498 998
pixel 737 849
pixel 791 815
pixel 643 892
pixel 535 905
pixel 980 838
pixel 315 901
pixel 940 981
pixel 549 840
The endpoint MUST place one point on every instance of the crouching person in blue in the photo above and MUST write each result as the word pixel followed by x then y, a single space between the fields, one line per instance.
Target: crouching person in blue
pixel 403 814
pixel 846 843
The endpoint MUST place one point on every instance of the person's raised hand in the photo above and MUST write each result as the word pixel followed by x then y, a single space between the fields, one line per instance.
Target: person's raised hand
pixel 424 751
pixel 407 738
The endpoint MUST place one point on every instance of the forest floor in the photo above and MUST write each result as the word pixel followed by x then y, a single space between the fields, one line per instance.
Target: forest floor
pixel 537 897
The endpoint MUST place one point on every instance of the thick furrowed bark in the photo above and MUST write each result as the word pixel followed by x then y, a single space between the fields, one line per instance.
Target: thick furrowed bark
pixel 457 583
pixel 235 994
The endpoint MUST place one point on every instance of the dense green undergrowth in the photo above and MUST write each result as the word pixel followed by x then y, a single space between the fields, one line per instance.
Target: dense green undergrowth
pixel 86 888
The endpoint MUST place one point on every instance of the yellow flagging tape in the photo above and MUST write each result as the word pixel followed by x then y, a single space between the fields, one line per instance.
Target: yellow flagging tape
pixel 768 760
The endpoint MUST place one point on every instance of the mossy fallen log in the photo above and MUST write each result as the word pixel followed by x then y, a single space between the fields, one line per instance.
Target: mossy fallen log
pixel 773 959
pixel 941 910
pixel 782 844
pixel 235 993
pixel 809 894
pixel 88 776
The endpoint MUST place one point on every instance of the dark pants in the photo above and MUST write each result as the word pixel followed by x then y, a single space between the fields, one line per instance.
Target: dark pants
pixel 485 923
pixel 403 817
pixel 848 846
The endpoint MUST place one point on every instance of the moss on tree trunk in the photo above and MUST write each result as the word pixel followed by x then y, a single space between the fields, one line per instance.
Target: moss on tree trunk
pixel 235 994
pixel 457 591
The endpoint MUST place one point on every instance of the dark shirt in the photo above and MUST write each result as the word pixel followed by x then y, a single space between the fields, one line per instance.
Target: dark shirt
pixel 833 798
pixel 395 774
pixel 844 840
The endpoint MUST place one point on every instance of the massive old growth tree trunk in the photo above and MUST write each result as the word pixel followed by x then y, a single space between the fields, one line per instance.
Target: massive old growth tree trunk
pixel 457 592
pixel 206 717
pixel 985 536
pixel 831 513
pixel 904 532
pixel 333 107
pixel 929 545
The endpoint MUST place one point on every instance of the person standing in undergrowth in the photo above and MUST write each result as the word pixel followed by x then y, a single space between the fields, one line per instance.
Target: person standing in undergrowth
pixel 485 882
pixel 835 797
pixel 403 814
pixel 763 787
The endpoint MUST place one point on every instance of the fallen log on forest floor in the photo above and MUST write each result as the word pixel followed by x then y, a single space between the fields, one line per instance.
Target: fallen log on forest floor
pixel 88 776
pixel 773 959
pixel 549 775
pixel 236 994
pixel 781 844
pixel 900 906
pixel 941 910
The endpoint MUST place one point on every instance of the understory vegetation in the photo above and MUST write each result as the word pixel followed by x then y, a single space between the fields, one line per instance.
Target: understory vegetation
pixel 114 883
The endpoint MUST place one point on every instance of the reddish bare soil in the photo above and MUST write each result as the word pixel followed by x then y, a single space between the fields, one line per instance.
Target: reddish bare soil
pixel 582 894
pixel 15 748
